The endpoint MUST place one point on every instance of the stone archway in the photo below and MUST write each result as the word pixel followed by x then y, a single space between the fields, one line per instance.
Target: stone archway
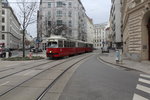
pixel 146 36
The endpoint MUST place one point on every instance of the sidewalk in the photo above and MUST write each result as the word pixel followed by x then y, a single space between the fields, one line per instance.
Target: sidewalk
pixel 143 66
pixel 15 63
pixel 42 54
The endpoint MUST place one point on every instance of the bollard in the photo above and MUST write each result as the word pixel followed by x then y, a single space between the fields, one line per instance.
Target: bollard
pixel 121 60
pixel 30 55
pixel 7 54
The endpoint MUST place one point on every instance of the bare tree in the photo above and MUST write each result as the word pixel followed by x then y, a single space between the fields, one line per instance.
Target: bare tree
pixel 53 28
pixel 28 10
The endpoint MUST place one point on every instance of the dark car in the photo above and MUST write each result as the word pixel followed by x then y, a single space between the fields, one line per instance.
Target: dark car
pixel 3 52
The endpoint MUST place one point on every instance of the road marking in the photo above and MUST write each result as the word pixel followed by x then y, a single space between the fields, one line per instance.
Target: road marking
pixel 4 83
pixel 146 76
pixel 144 81
pixel 138 97
pixel 143 88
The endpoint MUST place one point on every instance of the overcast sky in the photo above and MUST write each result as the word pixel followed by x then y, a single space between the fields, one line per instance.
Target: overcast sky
pixel 98 10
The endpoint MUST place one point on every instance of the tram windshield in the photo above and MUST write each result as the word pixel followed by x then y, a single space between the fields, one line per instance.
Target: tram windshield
pixel 52 45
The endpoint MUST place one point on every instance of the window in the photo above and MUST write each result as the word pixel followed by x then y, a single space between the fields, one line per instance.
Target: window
pixel 52 44
pixel 59 22
pixel 3 12
pixel 60 4
pixel 70 32
pixel 49 23
pixel 3 37
pixel 70 14
pixel 60 43
pixel 49 14
pixel 49 4
pixel 59 13
pixel 3 20
pixel 3 28
pixel 70 4
pixel 70 23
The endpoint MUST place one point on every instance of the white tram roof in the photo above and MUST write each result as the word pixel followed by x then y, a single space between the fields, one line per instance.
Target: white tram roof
pixel 56 38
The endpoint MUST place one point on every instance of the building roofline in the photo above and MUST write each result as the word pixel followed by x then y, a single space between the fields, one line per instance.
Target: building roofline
pixel 12 13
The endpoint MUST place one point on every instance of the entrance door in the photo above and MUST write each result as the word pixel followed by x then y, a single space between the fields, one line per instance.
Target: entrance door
pixel 149 36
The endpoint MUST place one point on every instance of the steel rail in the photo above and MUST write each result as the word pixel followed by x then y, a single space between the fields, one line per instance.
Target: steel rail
pixel 18 66
pixel 24 70
pixel 7 91
pixel 58 77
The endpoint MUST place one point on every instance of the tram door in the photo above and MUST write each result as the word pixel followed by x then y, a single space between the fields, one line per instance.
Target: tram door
pixel 149 36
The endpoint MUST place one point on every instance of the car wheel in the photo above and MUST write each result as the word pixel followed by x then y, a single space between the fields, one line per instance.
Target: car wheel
pixel 3 55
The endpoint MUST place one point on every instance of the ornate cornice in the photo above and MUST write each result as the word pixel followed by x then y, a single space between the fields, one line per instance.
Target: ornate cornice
pixel 145 5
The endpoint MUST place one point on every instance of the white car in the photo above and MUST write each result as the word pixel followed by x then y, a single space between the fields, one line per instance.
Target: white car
pixel 105 49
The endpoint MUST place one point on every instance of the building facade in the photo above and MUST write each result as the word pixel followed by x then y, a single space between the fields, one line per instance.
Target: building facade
pixel 116 22
pixel 70 13
pixel 10 35
pixel 108 36
pixel 89 30
pixel 0 19
pixel 136 29
pixel 99 35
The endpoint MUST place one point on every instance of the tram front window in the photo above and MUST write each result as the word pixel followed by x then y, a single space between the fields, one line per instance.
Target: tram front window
pixel 52 45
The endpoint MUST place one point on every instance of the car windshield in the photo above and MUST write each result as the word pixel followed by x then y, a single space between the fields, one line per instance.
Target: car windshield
pixel 52 45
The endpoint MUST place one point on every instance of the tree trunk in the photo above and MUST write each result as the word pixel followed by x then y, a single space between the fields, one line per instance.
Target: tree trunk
pixel 23 48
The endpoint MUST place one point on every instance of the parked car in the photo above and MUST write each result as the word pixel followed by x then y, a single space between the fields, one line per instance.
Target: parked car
pixel 3 52
pixel 105 49
pixel 35 50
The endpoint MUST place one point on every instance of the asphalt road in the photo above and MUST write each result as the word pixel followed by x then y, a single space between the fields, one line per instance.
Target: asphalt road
pixel 94 80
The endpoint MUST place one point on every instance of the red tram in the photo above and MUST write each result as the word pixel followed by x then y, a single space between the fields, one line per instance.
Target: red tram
pixel 58 46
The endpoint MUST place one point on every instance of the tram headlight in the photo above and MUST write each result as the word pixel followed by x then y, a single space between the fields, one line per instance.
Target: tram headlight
pixel 50 51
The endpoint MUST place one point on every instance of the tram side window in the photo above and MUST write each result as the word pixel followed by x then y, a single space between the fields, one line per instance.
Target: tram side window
pixel 60 44
pixel 80 45
pixel 66 44
pixel 72 44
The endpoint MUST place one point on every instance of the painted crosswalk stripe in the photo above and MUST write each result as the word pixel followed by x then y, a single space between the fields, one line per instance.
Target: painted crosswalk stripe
pixel 146 76
pixel 144 81
pixel 138 97
pixel 143 88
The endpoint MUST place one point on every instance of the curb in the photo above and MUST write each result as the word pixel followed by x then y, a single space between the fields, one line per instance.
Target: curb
pixel 121 65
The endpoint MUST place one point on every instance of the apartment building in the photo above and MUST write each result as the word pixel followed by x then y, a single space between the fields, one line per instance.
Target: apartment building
pixel 68 13
pixel 89 30
pixel 99 35
pixel 116 22
pixel 136 29
pixel 108 36
pixel 10 26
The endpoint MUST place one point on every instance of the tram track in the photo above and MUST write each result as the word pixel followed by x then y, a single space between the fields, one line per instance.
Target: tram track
pixel 13 67
pixel 57 78
pixel 24 70
pixel 9 90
